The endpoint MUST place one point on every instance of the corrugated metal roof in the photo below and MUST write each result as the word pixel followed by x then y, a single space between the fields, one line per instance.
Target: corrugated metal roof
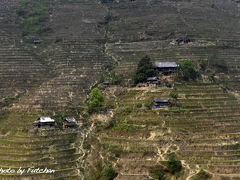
pixel 71 119
pixel 45 119
pixel 165 64
pixel 160 100
pixel 152 79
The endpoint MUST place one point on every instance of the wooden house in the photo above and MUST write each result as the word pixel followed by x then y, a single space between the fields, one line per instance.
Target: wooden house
pixel 70 122
pixel 160 103
pixel 153 81
pixel 183 40
pixel 166 68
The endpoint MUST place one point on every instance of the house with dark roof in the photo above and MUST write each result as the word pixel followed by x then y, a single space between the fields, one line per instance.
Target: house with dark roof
pixel 183 40
pixel 166 68
pixel 160 103
pixel 36 41
pixel 70 122
pixel 153 81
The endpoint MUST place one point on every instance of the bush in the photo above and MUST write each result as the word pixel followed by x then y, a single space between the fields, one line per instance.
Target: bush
pixel 148 103
pixel 187 71
pixel 173 165
pixel 202 175
pixel 174 95
pixel 157 172
pixel 95 101
pixel 112 77
pixel 123 126
pixel 145 69
pixel 127 110
pixel 33 16
pixel 139 105
pixel 108 172
pixel 59 118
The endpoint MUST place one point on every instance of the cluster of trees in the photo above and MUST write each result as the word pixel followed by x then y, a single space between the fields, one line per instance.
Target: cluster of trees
pixel 172 166
pixel 112 77
pixel 145 69
pixel 33 16
pixel 187 71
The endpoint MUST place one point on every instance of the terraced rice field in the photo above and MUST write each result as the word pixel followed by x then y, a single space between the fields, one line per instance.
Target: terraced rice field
pixel 24 147
pixel 203 132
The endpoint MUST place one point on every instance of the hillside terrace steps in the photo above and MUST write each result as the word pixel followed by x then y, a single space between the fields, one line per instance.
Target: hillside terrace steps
pixel 55 150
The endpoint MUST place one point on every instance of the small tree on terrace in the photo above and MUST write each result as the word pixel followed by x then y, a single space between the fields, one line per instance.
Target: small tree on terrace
pixel 144 70
pixel 95 101
pixel 187 71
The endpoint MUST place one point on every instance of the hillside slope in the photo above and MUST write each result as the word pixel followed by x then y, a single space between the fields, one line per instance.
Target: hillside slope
pixel 89 38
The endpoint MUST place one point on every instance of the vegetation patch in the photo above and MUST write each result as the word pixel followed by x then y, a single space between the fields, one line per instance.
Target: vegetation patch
pixel 187 71
pixel 95 101
pixel 158 172
pixel 174 166
pixel 124 126
pixel 112 77
pixel 202 175
pixel 145 69
pixel 33 16
pixel 103 172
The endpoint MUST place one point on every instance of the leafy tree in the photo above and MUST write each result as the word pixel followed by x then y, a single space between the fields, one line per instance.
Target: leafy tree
pixel 173 165
pixel 96 100
pixel 187 71
pixel 145 69
pixel 59 118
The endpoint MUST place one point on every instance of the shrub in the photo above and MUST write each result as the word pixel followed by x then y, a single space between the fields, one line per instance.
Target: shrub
pixel 33 16
pixel 212 76
pixel 157 172
pixel 174 95
pixel 95 101
pixel 108 172
pixel 103 172
pixel 127 110
pixel 173 165
pixel 148 103
pixel 112 77
pixel 59 118
pixel 145 69
pixel 202 175
pixel 139 105
pixel 123 126
pixel 187 71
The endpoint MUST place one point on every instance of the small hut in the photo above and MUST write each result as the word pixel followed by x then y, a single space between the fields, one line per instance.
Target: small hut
pixel 36 41
pixel 44 121
pixel 106 83
pixel 70 122
pixel 160 103
pixel 153 81
pixel 183 40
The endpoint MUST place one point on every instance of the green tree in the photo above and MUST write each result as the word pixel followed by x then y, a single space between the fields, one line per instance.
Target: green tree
pixel 145 69
pixel 108 172
pixel 95 101
pixel 59 118
pixel 173 165
pixel 187 71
